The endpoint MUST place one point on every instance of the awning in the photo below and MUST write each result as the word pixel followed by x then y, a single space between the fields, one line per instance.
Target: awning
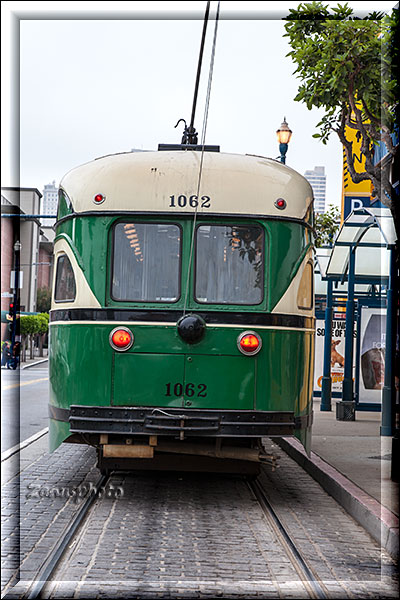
pixel 371 232
pixel 321 261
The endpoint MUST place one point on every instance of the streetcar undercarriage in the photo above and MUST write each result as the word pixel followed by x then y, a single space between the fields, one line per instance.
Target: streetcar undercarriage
pixel 136 438
pixel 243 456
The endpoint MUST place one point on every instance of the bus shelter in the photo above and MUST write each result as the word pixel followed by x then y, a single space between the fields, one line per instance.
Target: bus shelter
pixel 363 255
pixel 328 377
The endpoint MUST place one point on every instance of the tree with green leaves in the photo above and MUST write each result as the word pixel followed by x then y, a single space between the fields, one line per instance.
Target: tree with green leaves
pixel 345 65
pixel 42 329
pixel 326 226
pixel 28 328
pixel 43 300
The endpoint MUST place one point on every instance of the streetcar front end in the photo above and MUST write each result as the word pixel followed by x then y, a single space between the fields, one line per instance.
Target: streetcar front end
pixel 182 323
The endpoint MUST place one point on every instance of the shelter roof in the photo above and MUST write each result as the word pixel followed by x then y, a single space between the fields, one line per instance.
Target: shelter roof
pixel 370 233
pixel 322 256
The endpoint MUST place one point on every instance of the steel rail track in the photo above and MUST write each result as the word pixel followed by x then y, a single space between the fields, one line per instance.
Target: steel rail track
pixel 52 560
pixel 309 580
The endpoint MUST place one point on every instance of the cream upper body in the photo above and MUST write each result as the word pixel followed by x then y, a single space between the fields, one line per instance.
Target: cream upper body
pixel 188 181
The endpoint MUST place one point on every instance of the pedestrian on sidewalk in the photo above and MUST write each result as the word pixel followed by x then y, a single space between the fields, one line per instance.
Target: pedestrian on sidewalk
pixel 5 354
pixel 15 354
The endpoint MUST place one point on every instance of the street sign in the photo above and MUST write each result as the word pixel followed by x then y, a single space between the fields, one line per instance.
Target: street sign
pixel 6 295
pixel 354 195
pixel 20 279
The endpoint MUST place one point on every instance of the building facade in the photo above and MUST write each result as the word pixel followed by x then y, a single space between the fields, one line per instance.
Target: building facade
pixel 8 239
pixel 49 203
pixel 317 180
pixel 20 208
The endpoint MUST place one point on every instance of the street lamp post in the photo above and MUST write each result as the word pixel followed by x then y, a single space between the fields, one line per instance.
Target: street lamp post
pixel 284 134
pixel 17 250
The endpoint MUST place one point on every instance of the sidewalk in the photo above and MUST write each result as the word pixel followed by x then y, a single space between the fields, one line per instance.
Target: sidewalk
pixel 352 462
pixel 31 362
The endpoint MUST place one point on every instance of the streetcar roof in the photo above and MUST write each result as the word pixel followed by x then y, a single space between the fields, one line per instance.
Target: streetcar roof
pixel 152 182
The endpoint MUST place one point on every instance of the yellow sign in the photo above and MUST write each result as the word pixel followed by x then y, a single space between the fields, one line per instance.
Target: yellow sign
pixel 354 195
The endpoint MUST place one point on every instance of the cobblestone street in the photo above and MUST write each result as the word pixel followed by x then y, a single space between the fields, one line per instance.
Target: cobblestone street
pixel 184 535
pixel 42 498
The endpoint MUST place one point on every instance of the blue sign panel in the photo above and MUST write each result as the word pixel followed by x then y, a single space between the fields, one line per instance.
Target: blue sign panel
pixel 352 202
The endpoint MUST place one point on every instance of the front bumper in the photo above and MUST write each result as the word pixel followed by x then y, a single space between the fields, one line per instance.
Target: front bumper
pixel 180 422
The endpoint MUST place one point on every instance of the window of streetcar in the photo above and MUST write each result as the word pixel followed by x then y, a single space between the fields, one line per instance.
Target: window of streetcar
pixel 65 287
pixel 229 264
pixel 305 294
pixel 64 206
pixel 146 262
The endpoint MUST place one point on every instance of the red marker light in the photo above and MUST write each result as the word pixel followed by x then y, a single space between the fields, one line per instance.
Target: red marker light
pixel 121 338
pixel 99 198
pixel 249 343
pixel 280 203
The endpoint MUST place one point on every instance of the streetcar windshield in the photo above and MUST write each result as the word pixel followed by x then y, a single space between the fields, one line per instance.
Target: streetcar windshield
pixel 146 262
pixel 229 264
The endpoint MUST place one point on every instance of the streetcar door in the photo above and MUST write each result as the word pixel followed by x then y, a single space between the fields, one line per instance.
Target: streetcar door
pixel 148 379
pixel 219 382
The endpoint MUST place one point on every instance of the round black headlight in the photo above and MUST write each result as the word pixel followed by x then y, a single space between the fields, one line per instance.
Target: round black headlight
pixel 191 328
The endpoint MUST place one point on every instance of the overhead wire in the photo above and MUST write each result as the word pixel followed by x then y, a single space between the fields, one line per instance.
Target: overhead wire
pixel 202 143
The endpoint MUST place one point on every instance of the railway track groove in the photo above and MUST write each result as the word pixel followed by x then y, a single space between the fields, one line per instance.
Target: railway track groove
pixel 310 580
pixel 189 535
pixel 56 553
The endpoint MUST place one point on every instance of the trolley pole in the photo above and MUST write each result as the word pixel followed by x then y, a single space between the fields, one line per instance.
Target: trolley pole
pixel 17 250
pixel 347 393
pixel 192 135
pixel 326 391
pixel 388 397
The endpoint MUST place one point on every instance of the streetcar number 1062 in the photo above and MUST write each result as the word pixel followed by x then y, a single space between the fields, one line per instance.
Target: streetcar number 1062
pixel 190 390
pixel 183 201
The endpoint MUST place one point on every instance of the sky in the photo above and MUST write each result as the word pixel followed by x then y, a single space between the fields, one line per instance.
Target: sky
pixel 87 86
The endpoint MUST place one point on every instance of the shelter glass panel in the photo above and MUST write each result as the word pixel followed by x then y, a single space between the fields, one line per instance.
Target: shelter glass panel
pixel 373 262
pixel 373 236
pixel 229 264
pixel 386 225
pixel 146 262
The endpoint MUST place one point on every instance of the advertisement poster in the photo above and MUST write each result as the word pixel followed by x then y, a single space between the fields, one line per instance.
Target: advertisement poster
pixel 372 350
pixel 337 353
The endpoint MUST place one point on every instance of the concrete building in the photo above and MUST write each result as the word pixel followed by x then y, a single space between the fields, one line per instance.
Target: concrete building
pixel 49 206
pixel 49 203
pixel 18 223
pixel 25 201
pixel 317 180
pixel 8 238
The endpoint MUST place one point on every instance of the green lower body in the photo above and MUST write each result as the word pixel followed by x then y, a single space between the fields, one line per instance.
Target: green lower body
pixel 161 370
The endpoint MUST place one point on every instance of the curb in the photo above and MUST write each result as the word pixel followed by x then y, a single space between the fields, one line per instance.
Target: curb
pixel 377 520
pixel 18 447
pixel 33 364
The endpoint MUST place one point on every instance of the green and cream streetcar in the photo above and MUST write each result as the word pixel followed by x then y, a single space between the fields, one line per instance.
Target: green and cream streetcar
pixel 182 321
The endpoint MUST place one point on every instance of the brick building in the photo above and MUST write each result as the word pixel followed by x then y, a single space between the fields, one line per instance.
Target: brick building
pixel 7 256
